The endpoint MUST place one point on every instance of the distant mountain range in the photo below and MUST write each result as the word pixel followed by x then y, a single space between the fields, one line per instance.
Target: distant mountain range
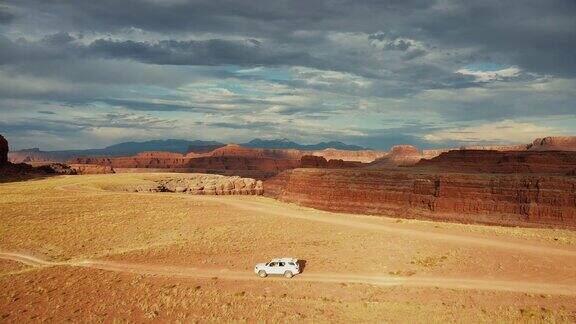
pixel 285 143
pixel 173 145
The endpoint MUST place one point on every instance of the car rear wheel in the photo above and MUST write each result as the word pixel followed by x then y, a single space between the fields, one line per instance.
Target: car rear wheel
pixel 288 274
pixel 262 274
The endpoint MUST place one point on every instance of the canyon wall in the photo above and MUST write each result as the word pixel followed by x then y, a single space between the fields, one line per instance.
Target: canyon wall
pixel 550 143
pixel 140 160
pixel 481 161
pixel 527 200
pixel 313 161
pixel 364 156
pixel 429 154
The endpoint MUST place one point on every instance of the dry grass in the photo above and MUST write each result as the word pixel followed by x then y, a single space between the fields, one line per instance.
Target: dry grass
pixel 65 294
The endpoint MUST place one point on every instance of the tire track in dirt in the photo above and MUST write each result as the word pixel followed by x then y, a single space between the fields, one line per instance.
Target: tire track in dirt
pixel 187 272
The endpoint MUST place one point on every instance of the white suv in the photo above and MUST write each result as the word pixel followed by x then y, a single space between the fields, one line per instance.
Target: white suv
pixel 288 267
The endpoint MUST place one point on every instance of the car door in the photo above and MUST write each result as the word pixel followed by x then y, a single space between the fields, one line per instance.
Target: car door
pixel 281 268
pixel 272 268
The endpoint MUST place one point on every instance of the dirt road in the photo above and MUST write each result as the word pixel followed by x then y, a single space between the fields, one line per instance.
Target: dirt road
pixel 186 272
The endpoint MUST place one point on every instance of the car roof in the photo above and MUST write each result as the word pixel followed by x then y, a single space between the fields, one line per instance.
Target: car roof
pixel 284 260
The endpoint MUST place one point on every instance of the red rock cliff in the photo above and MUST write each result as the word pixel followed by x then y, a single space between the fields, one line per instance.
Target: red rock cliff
pixel 312 161
pixel 503 162
pixel 554 143
pixel 528 200
pixel 364 156
pixel 3 150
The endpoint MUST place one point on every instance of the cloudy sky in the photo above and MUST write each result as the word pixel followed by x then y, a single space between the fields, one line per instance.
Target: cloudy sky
pixel 83 74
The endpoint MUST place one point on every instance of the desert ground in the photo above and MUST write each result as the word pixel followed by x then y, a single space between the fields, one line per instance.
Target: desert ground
pixel 82 248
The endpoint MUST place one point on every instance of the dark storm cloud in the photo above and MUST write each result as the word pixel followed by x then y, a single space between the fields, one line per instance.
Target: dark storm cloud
pixel 208 52
pixel 538 35
pixel 401 57
pixel 211 52
pixel 6 16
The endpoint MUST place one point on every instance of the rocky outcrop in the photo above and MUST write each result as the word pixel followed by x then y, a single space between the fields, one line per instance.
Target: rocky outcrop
pixel 22 171
pixel 92 160
pixel 242 163
pixel 3 150
pixel 364 156
pixel 140 160
pixel 247 152
pixel 554 143
pixel 399 155
pixel 429 154
pixel 202 184
pixel 312 161
pixel 56 168
pixel 527 200
pixel 92 169
pixel 479 161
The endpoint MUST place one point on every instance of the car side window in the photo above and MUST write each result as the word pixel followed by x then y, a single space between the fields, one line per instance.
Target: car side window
pixel 272 264
pixel 281 264
pixel 291 263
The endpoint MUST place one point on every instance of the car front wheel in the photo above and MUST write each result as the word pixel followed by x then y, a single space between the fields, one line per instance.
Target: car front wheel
pixel 288 274
pixel 262 274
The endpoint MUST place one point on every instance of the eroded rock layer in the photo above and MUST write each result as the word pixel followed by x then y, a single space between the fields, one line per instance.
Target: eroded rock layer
pixel 527 200
pixel 200 184
pixel 364 156
pixel 91 169
pixel 313 161
pixel 560 162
